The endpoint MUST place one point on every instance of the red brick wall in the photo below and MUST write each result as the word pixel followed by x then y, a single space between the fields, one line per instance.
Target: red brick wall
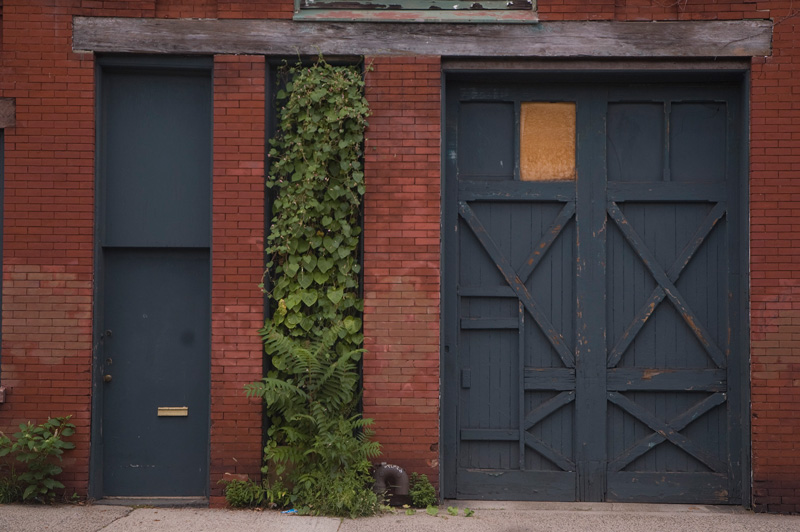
pixel 647 10
pixel 235 9
pixel 401 260
pixel 185 8
pixel 237 265
pixel 48 225
pixel 255 8
pixel 775 266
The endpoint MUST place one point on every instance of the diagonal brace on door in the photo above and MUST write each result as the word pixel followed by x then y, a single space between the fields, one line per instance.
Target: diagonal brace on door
pixel 541 248
pixel 548 407
pixel 514 281
pixel 548 452
pixel 670 431
pixel 667 285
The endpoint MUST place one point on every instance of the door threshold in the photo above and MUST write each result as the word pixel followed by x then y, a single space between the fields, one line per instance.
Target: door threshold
pixel 159 502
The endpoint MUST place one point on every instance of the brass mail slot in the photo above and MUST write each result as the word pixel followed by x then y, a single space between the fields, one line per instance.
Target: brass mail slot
pixel 173 411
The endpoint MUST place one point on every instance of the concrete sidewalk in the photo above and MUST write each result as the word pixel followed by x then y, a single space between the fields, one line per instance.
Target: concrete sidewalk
pixel 489 516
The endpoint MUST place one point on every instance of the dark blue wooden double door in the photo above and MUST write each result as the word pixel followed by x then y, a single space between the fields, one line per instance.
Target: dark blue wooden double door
pixel 592 316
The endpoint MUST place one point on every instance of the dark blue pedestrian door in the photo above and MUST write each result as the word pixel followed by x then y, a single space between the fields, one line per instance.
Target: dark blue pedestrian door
pixel 591 289
pixel 152 369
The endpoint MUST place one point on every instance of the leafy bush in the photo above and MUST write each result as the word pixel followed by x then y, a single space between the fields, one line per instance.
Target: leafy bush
pixel 10 490
pixel 249 494
pixel 315 432
pixel 276 494
pixel 346 494
pixel 422 492
pixel 36 446
pixel 244 493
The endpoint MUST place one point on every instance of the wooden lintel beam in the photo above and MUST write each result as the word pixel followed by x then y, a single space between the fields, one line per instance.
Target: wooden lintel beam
pixel 547 39
pixel 8 112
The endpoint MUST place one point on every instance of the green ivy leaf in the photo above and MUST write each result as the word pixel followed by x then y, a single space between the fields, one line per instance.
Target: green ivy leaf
pixel 309 297
pixel 352 324
pixel 305 280
pixel 309 262
pixel 292 300
pixel 335 295
pixel 291 269
pixel 325 264
pixel 293 319
pixel 329 244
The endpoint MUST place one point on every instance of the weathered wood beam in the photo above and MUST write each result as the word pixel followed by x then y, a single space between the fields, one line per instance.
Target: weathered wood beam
pixel 8 113
pixel 547 39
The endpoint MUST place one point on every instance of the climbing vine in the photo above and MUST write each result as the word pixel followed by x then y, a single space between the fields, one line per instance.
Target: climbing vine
pixel 316 171
pixel 319 445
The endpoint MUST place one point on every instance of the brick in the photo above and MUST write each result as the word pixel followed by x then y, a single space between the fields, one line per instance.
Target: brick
pixel 403 103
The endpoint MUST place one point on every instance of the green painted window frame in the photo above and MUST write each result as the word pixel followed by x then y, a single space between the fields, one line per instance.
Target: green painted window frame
pixel 453 11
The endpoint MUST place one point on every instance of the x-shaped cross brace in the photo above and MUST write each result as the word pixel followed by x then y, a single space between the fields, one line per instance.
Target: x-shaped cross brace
pixel 666 285
pixel 666 431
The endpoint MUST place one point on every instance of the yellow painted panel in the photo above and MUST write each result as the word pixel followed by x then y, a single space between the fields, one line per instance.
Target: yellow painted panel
pixel 547 141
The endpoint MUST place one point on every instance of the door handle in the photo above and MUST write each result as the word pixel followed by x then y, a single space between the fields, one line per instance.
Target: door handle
pixel 107 378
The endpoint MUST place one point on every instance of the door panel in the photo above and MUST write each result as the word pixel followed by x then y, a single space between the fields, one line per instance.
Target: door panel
pixel 587 324
pixel 515 285
pixel 156 158
pixel 668 310
pixel 157 311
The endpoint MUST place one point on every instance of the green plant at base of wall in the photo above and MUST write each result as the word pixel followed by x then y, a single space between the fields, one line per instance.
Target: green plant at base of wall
pixel 244 493
pixel 318 444
pixel 422 492
pixel 36 446
pixel 10 490
pixel 250 494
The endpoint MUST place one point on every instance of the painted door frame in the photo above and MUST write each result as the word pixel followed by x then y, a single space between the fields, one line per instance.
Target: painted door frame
pixel 130 63
pixel 533 71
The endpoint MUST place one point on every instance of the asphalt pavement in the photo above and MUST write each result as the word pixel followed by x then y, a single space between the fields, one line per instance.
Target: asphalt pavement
pixel 488 516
